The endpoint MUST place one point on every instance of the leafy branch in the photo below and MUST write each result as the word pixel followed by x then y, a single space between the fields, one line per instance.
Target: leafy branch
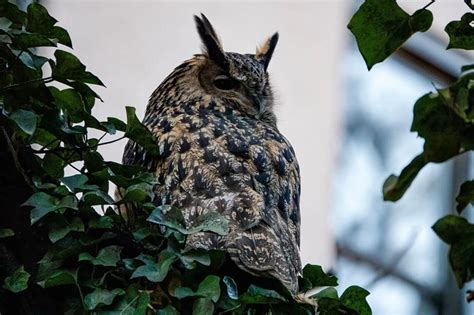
pixel 444 119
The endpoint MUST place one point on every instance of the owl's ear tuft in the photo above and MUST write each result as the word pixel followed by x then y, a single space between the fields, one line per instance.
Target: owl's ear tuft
pixel 265 51
pixel 212 45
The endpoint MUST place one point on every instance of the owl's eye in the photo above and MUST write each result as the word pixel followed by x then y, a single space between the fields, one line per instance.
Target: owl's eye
pixel 225 83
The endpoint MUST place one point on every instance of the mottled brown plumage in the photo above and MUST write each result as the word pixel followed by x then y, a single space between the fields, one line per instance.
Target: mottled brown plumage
pixel 220 150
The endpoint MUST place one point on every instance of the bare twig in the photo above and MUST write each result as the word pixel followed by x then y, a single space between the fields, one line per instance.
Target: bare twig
pixel 426 6
pixel 45 80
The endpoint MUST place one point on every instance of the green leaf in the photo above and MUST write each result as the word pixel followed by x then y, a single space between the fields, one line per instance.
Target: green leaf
pixel 107 256
pixel 439 125
pixel 156 271
pixel 68 67
pixel 59 278
pixel 103 222
pixel 70 101
pixel 203 306
pixel 461 33
pixel 257 295
pixel 317 277
pixel 189 258
pixel 12 12
pixel 4 233
pixel 39 21
pixel 77 183
pixel 169 310
pixel 465 196
pixel 381 27
pixel 25 119
pixel 117 123
pixel 459 233
pixel 43 204
pixel 100 297
pixel 142 304
pixel 140 134
pixel 326 293
pixel 210 288
pixel 172 217
pixel 354 298
pixel 25 41
pixel 18 281
pixel 53 165
pixel 467 68
pixel 395 186
pixel 97 197
pixel 138 192
pixel 57 233
pixel 231 286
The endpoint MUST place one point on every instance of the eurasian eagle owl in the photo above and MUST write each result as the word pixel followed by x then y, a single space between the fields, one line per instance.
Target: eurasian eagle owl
pixel 220 150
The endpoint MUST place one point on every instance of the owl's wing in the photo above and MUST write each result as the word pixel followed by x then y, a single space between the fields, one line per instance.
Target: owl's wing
pixel 240 168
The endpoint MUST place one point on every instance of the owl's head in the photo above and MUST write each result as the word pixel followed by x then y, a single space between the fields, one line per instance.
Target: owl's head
pixel 241 79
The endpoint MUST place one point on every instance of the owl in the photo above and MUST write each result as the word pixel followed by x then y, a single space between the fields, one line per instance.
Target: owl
pixel 221 151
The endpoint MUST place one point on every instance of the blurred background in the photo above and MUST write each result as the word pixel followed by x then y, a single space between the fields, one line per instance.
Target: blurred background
pixel 349 127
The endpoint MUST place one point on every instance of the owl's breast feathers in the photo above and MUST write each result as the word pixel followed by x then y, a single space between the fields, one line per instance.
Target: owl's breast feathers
pixel 214 158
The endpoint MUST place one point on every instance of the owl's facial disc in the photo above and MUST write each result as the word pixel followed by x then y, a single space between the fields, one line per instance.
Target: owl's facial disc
pixel 241 80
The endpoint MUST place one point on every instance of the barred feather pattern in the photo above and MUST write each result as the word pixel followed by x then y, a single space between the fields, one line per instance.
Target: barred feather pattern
pixel 216 157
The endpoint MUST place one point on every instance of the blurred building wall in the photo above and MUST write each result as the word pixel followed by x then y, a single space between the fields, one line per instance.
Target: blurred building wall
pixel 133 45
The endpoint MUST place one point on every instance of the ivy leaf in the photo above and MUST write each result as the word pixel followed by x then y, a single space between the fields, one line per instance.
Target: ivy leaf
pixel 231 286
pixel 107 256
pixel 53 165
pixel 39 21
pixel 25 41
pixel 117 123
pixel 70 101
pixel 317 277
pixel 43 204
pixel 101 297
pixel 439 125
pixel 18 281
pixel 59 232
pixel 203 306
pixel 465 196
pixel 257 295
pixel 172 217
pixel 381 27
pixel 77 183
pixel 96 197
pixel 208 288
pixel 138 192
pixel 461 33
pixel 68 67
pixel 156 271
pixel 467 68
pixel 395 186
pixel 59 278
pixel 142 303
pixel 25 119
pixel 4 233
pixel 140 134
pixel 326 293
pixel 168 310
pixel 459 233
pixel 354 298
pixel 102 222
pixel 190 258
